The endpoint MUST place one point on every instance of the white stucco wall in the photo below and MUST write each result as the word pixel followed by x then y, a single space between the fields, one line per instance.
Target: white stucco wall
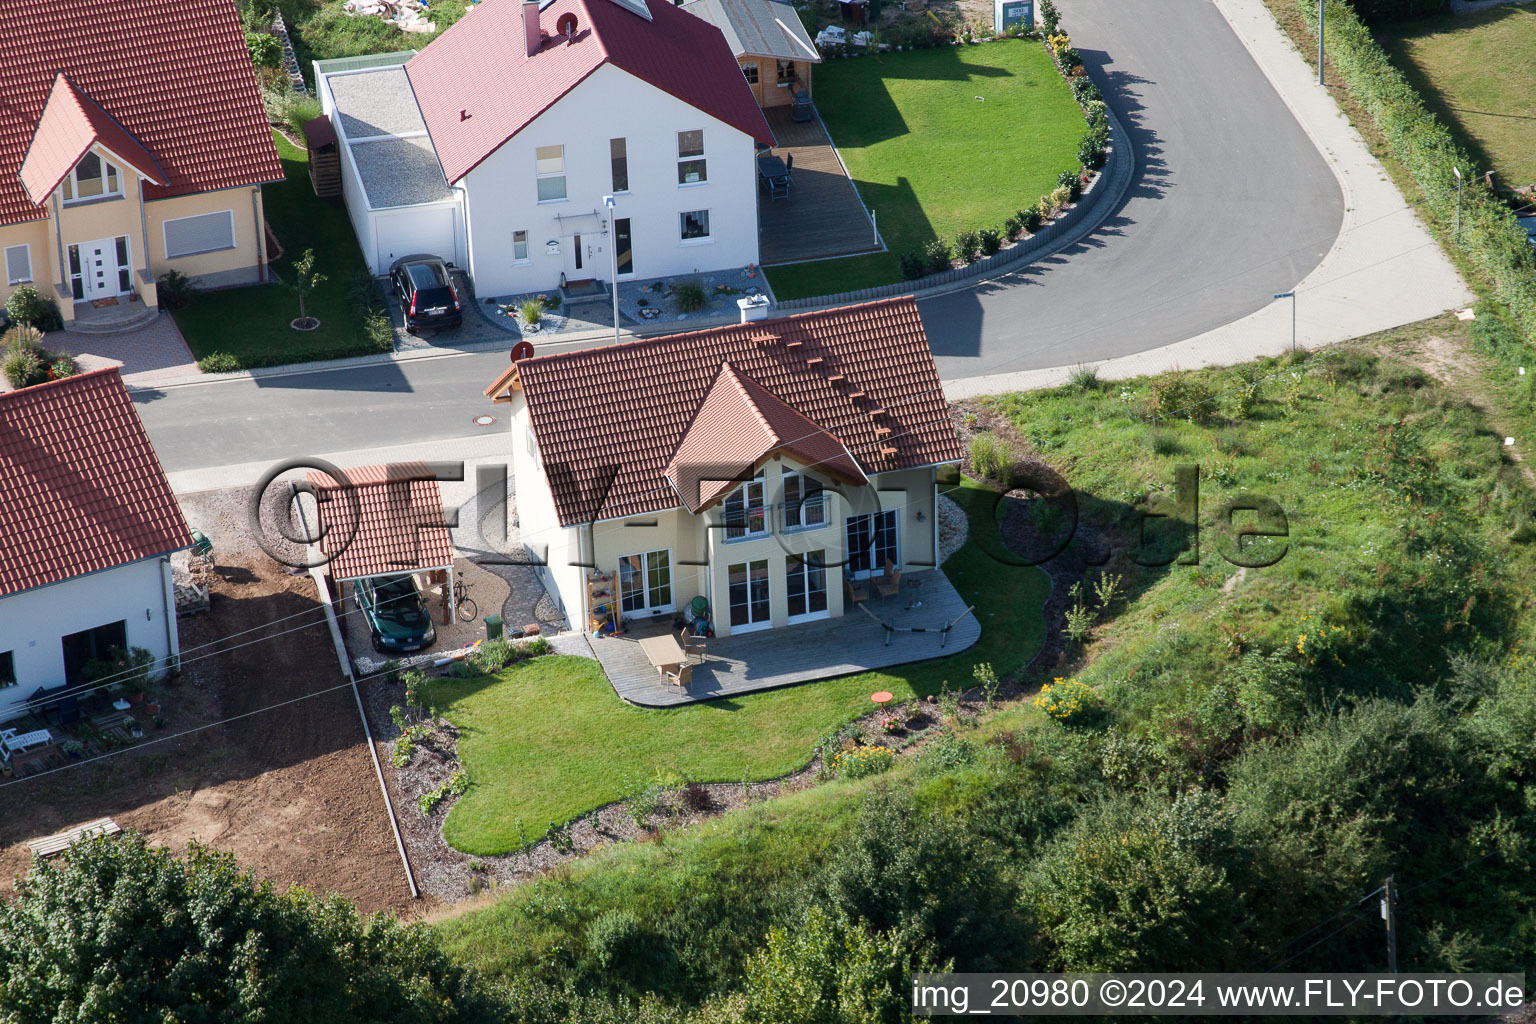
pixel 539 528
pixel 33 621
pixel 502 192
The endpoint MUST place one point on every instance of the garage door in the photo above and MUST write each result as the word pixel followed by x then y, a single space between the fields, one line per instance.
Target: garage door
pixel 432 231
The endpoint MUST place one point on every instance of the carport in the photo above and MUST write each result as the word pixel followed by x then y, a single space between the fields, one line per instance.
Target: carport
pixel 382 521
pixel 397 197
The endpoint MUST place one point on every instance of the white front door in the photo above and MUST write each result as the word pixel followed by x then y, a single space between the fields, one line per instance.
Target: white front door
pixel 104 268
pixel 577 261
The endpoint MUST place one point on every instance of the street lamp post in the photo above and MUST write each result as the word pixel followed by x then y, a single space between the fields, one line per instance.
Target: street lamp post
pixel 613 253
pixel 1320 41
pixel 1457 170
pixel 1292 297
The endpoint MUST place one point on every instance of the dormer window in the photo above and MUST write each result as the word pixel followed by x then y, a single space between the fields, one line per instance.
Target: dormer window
pixel 92 178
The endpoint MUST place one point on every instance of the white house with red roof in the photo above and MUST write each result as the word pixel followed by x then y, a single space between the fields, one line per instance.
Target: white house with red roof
pixel 133 142
pixel 522 118
pixel 88 524
pixel 779 469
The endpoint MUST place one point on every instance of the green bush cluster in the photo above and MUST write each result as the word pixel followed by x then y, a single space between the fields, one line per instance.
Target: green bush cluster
pixel 25 362
pixel 26 306
pixel 1490 235
pixel 266 52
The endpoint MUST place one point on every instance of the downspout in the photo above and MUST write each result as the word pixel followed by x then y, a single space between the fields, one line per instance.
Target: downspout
pixel 261 263
pixel 144 228
pixel 933 491
pixel 58 241
pixel 172 633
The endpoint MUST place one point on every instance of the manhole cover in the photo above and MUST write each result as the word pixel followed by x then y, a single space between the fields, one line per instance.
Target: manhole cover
pixel 484 420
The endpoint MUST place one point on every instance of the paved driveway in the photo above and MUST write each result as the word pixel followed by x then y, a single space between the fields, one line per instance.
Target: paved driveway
pixel 1230 204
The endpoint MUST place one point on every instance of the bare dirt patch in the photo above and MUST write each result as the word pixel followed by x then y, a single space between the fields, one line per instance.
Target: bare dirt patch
pixel 290 790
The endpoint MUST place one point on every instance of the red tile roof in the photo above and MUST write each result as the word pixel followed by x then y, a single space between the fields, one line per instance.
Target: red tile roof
pixel 737 427
pixel 173 74
pixel 609 420
pixel 480 68
pixel 80 487
pixel 72 123
pixel 391 522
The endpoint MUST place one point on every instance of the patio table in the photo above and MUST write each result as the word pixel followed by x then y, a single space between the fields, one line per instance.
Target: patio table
pixel 772 167
pixel 663 651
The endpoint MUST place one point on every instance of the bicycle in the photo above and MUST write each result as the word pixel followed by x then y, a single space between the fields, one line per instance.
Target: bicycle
pixel 465 609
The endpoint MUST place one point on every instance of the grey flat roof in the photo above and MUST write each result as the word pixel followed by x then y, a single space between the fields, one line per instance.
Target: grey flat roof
pixel 374 103
pixel 400 172
pixel 758 28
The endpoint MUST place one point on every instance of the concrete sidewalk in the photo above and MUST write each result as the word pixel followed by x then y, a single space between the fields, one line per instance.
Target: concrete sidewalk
pixel 1383 270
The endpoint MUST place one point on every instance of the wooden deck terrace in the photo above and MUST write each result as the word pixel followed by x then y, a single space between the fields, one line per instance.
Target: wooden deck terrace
pixel 822 216
pixel 771 658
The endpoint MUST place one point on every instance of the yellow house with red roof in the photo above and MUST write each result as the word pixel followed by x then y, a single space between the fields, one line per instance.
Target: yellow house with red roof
pixel 133 142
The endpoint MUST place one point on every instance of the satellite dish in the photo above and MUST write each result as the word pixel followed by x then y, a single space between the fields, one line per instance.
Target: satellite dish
pixel 566 25
pixel 522 350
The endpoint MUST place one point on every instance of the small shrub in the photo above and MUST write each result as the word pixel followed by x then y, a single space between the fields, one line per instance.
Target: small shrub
pixel 967 246
pixel 1180 395
pixel 1084 378
pixel 1246 390
pixel 986 678
pixel 531 310
pixel 696 798
pixel 988 456
pixel 1058 41
pixel 689 295
pixel 860 762
pixel 946 752
pixel 174 289
pixel 62 366
pixel 26 306
pixel 552 301
pixel 218 362
pixel 379 332
pixel 1084 91
pixel 911 265
pixel 22 336
pixel 537 647
pixel 1050 18
pixel 1068 60
pixel 615 938
pixel 644 806
pixel 991 241
pixel 1068 700
pixel 493 655
pixel 1047 206
pixel 1030 215
pixel 265 50
pixel 1013 227
pixel 937 254
pixel 1092 149
pixel 23 367
pixel 1072 181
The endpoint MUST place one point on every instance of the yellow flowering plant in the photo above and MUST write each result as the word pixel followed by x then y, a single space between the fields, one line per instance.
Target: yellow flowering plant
pixel 1068 700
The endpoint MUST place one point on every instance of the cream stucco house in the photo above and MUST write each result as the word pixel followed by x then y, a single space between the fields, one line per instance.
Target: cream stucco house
pixel 133 142
pixel 770 467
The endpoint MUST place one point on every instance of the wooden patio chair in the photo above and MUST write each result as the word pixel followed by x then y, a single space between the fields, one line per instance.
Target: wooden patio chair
pixel 889 585
pixel 855 594
pixel 682 677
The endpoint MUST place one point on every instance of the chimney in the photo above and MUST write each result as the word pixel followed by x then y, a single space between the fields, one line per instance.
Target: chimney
pixel 753 307
pixel 531 26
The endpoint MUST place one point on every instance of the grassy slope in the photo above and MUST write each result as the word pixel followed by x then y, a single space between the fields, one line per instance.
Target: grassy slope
pixel 1400 509
pixel 252 323
pixel 549 740
pixel 321 30
pixel 1478 72
pixel 929 158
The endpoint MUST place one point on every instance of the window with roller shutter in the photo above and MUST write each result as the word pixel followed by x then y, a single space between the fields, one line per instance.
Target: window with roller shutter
pixel 18 264
pixel 208 232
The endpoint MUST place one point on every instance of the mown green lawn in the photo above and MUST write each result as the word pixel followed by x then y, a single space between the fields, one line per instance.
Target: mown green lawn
pixel 548 740
pixel 252 324
pixel 1478 72
pixel 929 157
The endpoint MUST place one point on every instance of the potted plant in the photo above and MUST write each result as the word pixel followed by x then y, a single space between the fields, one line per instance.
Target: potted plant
pixel 134 729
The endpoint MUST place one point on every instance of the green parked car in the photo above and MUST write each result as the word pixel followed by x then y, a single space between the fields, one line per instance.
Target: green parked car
pixel 396 612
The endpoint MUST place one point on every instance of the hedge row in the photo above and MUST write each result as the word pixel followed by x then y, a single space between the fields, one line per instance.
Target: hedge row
pixel 1490 235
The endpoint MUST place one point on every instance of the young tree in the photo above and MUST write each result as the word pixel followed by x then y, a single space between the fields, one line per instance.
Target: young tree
pixel 122 931
pixel 306 278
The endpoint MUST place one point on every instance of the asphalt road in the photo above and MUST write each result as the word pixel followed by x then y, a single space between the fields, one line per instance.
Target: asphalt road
pixel 1230 204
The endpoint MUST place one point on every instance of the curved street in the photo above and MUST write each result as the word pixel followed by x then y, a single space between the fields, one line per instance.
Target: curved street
pixel 1229 204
